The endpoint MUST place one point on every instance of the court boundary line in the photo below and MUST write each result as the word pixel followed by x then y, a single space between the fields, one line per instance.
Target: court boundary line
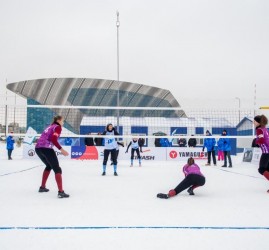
pixel 10 228
pixel 20 171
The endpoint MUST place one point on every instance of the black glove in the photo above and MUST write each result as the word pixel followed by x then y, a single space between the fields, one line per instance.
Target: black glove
pixel 126 152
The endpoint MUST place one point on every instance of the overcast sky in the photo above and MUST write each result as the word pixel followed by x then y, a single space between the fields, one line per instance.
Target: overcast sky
pixel 206 52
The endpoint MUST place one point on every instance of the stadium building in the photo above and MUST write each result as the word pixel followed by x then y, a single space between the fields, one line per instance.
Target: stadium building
pixel 90 92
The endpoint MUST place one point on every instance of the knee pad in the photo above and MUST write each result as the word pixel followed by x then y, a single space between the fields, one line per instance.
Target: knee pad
pixel 172 193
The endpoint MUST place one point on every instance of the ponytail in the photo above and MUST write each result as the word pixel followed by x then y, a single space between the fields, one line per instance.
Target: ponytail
pixel 57 118
pixel 263 121
pixel 190 161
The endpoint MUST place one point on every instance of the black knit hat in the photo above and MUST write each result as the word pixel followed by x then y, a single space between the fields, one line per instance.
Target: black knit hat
pixel 257 118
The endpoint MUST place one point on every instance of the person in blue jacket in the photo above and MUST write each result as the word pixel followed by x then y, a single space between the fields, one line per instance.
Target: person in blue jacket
pixel 209 144
pixel 164 142
pixel 226 145
pixel 10 145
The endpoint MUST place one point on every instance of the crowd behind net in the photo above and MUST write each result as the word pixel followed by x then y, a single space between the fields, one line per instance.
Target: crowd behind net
pixel 147 122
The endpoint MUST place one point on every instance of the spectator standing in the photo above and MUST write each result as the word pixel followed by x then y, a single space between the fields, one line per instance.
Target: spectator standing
pixel 220 150
pixel 192 142
pixel 98 140
pixel 89 141
pixel 10 145
pixel 209 144
pixel 226 149
pixel 182 142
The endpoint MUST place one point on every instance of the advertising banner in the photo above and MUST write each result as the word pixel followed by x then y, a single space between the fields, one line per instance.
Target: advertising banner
pixel 85 152
pixel 148 154
pixel 97 153
pixel 256 156
pixel 183 153
pixel 29 152
pixel 248 154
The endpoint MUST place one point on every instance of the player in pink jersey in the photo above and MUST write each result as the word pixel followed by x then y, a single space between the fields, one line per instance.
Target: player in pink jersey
pixel 262 139
pixel 193 179
pixel 44 150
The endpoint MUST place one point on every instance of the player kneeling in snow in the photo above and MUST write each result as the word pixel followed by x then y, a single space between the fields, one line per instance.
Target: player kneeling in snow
pixel 193 179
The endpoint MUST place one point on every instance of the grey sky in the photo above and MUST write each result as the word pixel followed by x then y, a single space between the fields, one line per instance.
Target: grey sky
pixel 205 52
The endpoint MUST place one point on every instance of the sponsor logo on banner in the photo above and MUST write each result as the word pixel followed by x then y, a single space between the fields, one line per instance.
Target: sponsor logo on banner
pixel 31 152
pixel 195 155
pixel 185 153
pixel 173 154
pixel 84 153
pixel 146 157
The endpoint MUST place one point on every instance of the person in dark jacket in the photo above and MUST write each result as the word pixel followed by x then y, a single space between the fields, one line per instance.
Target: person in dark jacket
pixel 98 140
pixel 141 142
pixel 182 142
pixel 157 142
pixel 10 145
pixel 89 141
pixel 192 142
pixel 209 144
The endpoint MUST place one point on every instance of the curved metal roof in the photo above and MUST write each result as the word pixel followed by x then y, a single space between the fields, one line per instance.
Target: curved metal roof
pixel 95 92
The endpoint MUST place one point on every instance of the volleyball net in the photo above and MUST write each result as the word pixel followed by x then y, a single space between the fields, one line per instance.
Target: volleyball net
pixel 160 127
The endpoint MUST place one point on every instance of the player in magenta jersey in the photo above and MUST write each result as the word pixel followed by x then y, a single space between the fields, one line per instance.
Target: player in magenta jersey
pixel 193 179
pixel 262 139
pixel 44 150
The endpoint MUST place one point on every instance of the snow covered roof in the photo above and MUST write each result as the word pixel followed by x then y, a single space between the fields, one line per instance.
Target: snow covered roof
pixel 157 121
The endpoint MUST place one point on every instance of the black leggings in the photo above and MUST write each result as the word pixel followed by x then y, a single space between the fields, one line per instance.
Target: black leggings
pixel 137 152
pixel 117 154
pixel 213 156
pixel 113 156
pixel 190 180
pixel 227 154
pixel 49 158
pixel 9 152
pixel 264 163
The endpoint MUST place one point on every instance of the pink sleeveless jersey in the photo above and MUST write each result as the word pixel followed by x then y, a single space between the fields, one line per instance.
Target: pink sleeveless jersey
pixel 192 169
pixel 45 139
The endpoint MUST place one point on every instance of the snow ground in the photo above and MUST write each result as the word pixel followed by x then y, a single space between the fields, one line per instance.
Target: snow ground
pixel 230 211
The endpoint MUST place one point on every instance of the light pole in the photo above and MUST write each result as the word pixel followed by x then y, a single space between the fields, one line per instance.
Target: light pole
pixel 118 70
pixel 239 104
pixel 14 119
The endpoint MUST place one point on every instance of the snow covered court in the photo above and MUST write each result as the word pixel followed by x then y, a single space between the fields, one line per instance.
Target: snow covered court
pixel 122 212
